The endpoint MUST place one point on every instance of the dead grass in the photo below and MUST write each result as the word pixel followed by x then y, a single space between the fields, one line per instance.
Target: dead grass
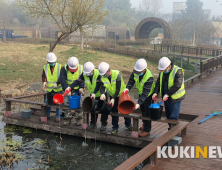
pixel 22 64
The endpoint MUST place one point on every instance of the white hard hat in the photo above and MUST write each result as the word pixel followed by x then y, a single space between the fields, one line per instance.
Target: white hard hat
pixel 73 62
pixel 164 63
pixel 51 57
pixel 140 65
pixel 103 68
pixel 88 67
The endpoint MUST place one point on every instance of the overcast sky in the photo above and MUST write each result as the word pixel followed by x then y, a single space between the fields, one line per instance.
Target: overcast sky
pixel 216 8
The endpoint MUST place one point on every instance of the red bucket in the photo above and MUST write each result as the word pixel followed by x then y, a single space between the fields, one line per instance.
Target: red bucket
pixel 126 104
pixel 58 99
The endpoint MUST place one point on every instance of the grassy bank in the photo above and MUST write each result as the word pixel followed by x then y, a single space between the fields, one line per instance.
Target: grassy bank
pixel 22 64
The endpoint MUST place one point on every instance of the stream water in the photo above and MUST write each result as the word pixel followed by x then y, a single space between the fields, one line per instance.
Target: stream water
pixel 37 149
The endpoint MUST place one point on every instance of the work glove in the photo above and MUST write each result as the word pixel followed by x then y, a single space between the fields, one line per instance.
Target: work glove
pixel 54 86
pixel 103 97
pixel 125 91
pixel 112 102
pixel 154 96
pixel 93 96
pixel 137 106
pixel 165 97
pixel 81 91
pixel 44 85
pixel 68 89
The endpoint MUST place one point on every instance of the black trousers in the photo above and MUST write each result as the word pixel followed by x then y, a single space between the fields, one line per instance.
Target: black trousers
pixel 94 116
pixel 115 119
pixel 146 112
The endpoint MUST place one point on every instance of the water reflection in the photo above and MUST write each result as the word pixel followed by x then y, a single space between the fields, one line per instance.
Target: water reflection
pixel 41 150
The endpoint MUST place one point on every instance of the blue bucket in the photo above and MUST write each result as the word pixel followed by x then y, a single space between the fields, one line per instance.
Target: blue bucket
pixel 74 101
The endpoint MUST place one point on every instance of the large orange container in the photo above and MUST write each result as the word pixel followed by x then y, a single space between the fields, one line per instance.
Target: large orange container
pixel 126 104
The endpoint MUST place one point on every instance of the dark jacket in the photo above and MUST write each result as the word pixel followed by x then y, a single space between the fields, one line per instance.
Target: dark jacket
pixel 146 88
pixel 63 78
pixel 177 85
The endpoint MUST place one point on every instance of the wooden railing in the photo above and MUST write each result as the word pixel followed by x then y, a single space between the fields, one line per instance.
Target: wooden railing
pixel 151 149
pixel 210 63
pixel 187 49
pixel 205 67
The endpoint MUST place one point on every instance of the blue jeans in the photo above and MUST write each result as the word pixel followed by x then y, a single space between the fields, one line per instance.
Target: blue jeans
pixel 48 109
pixel 172 110
pixel 115 119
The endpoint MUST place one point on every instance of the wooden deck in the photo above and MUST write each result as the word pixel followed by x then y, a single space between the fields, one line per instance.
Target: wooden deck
pixel 123 137
pixel 202 97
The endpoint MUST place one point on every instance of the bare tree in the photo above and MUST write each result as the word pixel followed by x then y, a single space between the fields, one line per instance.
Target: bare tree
pixel 5 16
pixel 69 15
pixel 156 6
pixel 205 32
pixel 151 7
pixel 179 27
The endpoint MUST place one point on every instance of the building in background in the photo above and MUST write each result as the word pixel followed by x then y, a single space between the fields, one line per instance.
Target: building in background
pixel 101 32
pixel 178 7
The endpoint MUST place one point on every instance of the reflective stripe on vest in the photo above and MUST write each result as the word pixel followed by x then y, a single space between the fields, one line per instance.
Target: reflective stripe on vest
pixel 72 77
pixel 181 92
pixel 140 85
pixel 52 78
pixel 111 87
pixel 92 86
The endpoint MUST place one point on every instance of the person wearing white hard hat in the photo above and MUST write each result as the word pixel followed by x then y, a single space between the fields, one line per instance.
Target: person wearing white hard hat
pixel 112 81
pixel 170 85
pixel 69 74
pixel 92 78
pixel 50 78
pixel 145 85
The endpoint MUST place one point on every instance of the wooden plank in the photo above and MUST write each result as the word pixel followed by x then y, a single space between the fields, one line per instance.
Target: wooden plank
pixel 27 96
pixel 135 116
pixel 135 124
pixel 43 111
pixel 8 106
pixel 24 101
pixel 140 156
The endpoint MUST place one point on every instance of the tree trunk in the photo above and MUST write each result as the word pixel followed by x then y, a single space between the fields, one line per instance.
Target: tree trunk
pixel 40 35
pixel 81 46
pixel 60 38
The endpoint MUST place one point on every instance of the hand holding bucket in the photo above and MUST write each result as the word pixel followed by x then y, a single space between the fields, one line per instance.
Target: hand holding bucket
pixel 59 99
pixel 157 105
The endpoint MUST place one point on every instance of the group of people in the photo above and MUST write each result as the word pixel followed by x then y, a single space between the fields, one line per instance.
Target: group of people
pixel 73 77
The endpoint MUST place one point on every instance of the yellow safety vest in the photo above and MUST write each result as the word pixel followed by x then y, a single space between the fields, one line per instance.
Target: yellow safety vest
pixel 72 77
pixel 92 86
pixel 111 87
pixel 140 84
pixel 181 92
pixel 52 78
